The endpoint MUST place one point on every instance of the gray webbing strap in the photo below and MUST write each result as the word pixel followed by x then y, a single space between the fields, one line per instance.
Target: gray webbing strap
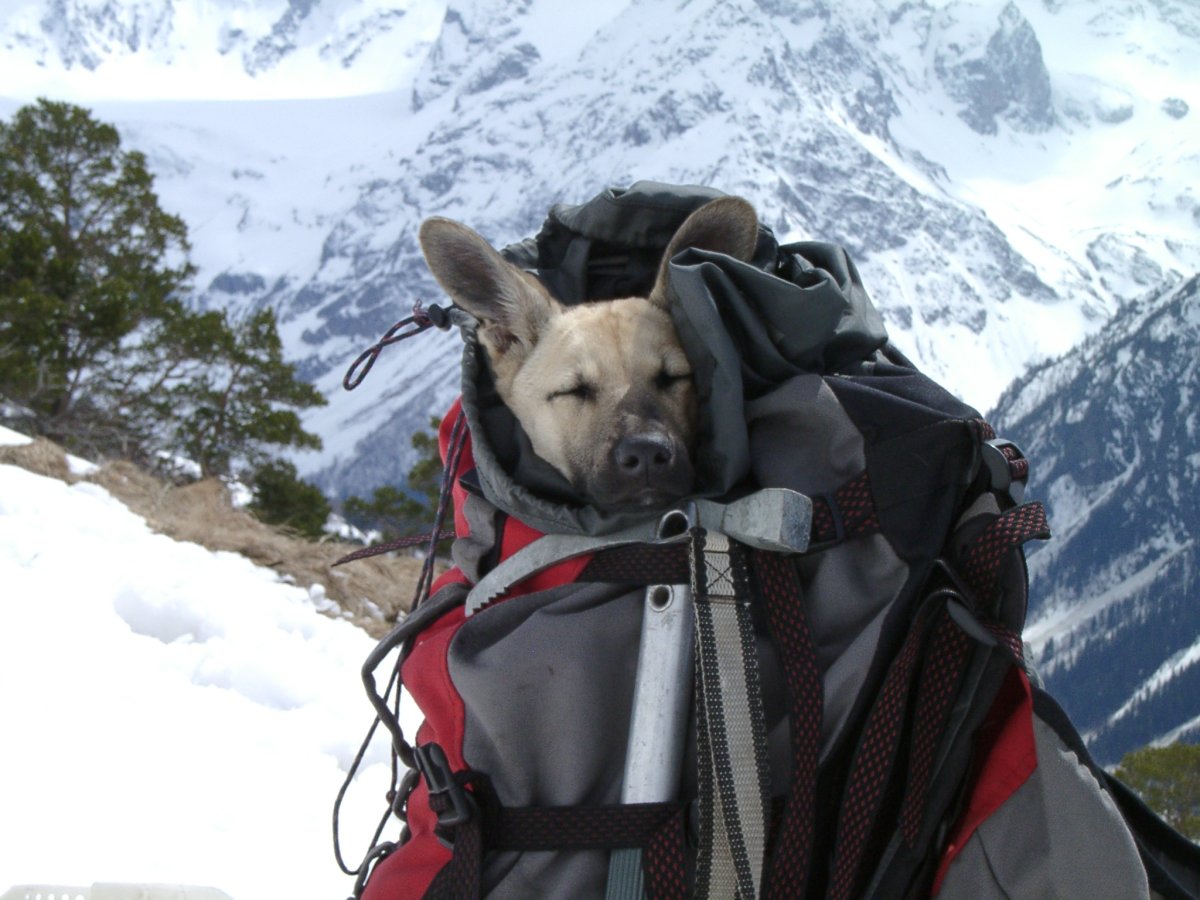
pixel 771 519
pixel 734 774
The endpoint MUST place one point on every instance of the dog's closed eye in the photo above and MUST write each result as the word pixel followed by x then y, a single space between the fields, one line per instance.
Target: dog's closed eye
pixel 581 390
pixel 666 379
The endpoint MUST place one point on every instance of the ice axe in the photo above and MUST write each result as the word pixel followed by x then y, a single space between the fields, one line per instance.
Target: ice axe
pixel 662 696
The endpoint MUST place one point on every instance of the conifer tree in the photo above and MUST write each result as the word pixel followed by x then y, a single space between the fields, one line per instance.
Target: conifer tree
pixel 1168 780
pixel 399 513
pixel 244 400
pixel 281 497
pixel 87 259
pixel 97 345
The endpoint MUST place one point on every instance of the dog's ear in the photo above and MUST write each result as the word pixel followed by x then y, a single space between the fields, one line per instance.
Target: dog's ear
pixel 511 306
pixel 727 225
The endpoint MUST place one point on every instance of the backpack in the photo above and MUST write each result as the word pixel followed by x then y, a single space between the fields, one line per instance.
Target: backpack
pixel 841 682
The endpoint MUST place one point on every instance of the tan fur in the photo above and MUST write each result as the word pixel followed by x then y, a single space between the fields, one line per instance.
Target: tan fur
pixel 604 389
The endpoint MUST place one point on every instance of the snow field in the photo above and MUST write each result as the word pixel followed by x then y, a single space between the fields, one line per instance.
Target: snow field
pixel 171 714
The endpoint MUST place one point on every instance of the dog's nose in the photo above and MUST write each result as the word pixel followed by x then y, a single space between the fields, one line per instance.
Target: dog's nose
pixel 639 456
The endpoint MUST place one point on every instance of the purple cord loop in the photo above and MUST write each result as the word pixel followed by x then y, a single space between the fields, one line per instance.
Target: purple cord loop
pixel 422 319
pixel 456 445
pixel 401 751
pixel 403 543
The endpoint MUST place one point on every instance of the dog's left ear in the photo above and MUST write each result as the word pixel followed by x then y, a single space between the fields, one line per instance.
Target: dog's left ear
pixel 727 225
pixel 512 307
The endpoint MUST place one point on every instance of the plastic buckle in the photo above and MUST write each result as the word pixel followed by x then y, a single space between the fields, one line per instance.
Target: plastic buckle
pixel 999 466
pixel 456 804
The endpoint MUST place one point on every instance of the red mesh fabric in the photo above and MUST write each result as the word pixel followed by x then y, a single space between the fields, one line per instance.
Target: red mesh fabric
pixel 789 865
pixel 640 564
pixel 577 827
pixel 664 863
pixel 940 677
pixel 872 766
pixel 852 505
pixel 984 559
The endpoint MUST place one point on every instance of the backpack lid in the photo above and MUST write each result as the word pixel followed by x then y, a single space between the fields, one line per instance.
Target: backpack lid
pixel 745 326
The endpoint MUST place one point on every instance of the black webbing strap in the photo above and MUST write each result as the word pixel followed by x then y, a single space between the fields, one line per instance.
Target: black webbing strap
pixel 941 676
pixel 950 647
pixel 577 827
pixel 640 564
pixel 1018 465
pixel 664 861
pixel 871 768
pixel 934 657
pixel 983 562
pixel 657 827
pixel 846 513
pixel 791 860
pixel 1014 460
pixel 460 878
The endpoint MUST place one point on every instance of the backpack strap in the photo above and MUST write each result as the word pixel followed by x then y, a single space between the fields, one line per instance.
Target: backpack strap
pixel 775 519
pixel 472 820
pixel 875 756
pixel 734 775
pixel 983 561
pixel 848 512
pixel 790 864
pixel 926 676
pixel 460 878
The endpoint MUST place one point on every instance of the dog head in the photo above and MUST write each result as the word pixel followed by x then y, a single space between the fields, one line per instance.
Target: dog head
pixel 603 390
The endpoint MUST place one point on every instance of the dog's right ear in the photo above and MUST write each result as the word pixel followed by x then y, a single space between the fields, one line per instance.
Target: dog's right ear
pixel 726 225
pixel 511 306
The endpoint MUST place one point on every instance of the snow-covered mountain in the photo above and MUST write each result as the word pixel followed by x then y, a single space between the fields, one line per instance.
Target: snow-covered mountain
pixel 212 48
pixel 1113 433
pixel 1004 172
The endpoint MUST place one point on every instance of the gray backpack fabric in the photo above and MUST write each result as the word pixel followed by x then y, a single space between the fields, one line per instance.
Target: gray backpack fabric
pixel 886 651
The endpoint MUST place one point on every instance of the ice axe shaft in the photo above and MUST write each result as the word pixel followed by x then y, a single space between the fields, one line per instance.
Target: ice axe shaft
pixel 662 696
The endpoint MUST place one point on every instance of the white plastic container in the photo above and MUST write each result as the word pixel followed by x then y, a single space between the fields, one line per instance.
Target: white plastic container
pixel 113 891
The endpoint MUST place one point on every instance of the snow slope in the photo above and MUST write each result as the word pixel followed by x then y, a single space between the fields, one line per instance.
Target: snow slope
pixel 1111 430
pixel 170 714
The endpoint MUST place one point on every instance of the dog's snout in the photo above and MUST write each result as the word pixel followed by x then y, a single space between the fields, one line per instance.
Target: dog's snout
pixel 643 469
pixel 644 455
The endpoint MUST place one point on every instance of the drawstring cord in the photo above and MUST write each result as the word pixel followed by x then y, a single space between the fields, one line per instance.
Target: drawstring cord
pixel 422 319
pixel 402 543
pixel 387 705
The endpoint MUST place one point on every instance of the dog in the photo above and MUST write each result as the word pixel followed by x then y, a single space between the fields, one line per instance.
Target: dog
pixel 604 389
